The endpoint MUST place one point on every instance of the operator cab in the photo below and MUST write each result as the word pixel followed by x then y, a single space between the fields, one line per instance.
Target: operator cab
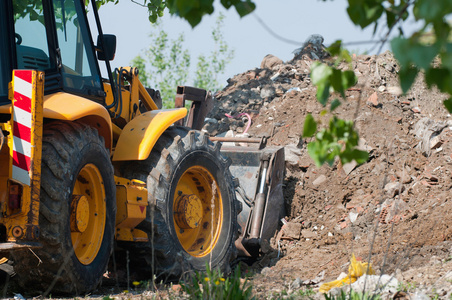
pixel 51 36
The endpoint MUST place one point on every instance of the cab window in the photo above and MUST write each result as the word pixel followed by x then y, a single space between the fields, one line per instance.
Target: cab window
pixel 78 64
pixel 32 48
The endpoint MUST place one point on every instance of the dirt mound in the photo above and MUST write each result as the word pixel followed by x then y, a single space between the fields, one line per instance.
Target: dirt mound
pixel 396 207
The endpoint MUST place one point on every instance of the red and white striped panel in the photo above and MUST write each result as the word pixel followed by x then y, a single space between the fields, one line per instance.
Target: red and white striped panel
pixel 23 89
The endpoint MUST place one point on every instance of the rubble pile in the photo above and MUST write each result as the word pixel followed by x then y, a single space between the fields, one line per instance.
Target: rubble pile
pixel 397 206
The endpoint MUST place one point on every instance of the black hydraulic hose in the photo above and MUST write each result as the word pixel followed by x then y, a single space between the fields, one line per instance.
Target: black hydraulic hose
pixel 120 74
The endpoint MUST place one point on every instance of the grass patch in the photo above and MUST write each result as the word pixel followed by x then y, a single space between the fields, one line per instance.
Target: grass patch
pixel 211 284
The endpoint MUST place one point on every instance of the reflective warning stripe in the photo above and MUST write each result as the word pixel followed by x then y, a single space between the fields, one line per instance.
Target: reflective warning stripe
pixel 23 91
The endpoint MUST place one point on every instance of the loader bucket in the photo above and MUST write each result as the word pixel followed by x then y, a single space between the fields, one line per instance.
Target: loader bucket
pixel 259 171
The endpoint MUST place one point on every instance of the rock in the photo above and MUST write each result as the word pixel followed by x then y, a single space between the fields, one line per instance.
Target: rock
pixel 292 155
pixel 270 61
pixel 392 210
pixel 308 234
pixel 296 284
pixel 420 296
pixel 265 246
pixel 394 188
pixel 425 130
pixel 349 167
pixel 211 127
pixel 435 142
pixel 292 230
pixel 379 168
pixel 416 110
pixel 265 270
pixel 268 92
pixel 319 180
pixel 376 283
pixel 404 176
pixel 373 100
pixel 251 75
pixel 394 90
pixel 353 216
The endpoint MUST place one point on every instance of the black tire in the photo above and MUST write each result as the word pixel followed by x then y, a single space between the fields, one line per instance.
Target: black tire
pixel 178 150
pixel 71 152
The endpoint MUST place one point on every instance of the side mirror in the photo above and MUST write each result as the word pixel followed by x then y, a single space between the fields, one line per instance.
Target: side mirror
pixel 107 52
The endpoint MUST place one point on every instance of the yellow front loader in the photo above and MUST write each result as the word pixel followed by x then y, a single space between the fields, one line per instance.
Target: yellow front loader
pixel 87 163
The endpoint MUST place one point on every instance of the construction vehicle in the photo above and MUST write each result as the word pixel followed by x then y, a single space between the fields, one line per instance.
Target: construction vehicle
pixel 87 163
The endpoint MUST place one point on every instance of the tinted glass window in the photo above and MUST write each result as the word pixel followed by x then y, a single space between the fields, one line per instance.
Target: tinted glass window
pixel 31 39
pixel 79 67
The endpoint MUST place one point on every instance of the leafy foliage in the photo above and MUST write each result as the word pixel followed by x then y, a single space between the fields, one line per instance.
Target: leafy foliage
pixel 166 63
pixel 339 139
pixel 192 10
pixel 212 285
pixel 352 295
pixel 208 68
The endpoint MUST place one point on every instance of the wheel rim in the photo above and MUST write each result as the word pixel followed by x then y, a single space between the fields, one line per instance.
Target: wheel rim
pixel 198 211
pixel 88 214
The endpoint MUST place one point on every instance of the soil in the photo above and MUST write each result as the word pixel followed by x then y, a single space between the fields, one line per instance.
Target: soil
pixel 395 210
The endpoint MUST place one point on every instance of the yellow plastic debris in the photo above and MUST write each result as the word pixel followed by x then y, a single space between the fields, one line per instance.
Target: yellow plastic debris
pixel 355 270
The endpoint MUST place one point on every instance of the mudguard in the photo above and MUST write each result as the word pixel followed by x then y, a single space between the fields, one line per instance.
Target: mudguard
pixel 140 135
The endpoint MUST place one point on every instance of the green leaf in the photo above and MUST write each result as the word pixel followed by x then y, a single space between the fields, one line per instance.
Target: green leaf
pixel 335 104
pixel 335 48
pixel 314 153
pixel 348 79
pixel 364 12
pixel 244 8
pixel 310 126
pixel 320 76
pixel 390 18
pixel 320 73
pixel 440 77
pixel 448 104
pixel 432 10
pixel 354 155
pixel 336 82
pixel 411 51
pixel 323 92
pixel 407 76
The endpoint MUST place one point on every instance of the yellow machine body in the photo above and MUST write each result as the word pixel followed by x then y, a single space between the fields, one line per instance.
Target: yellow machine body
pixel 129 142
pixel 20 180
pixel 68 107
pixel 131 200
pixel 140 135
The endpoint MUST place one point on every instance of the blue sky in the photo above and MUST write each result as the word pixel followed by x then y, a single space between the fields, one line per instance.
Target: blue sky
pixel 292 19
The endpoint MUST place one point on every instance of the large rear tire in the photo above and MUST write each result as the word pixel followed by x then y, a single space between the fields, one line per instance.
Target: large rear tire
pixel 77 213
pixel 192 206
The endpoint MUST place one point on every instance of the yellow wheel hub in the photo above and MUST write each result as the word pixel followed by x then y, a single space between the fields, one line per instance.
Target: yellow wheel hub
pixel 197 211
pixel 188 211
pixel 79 213
pixel 88 214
